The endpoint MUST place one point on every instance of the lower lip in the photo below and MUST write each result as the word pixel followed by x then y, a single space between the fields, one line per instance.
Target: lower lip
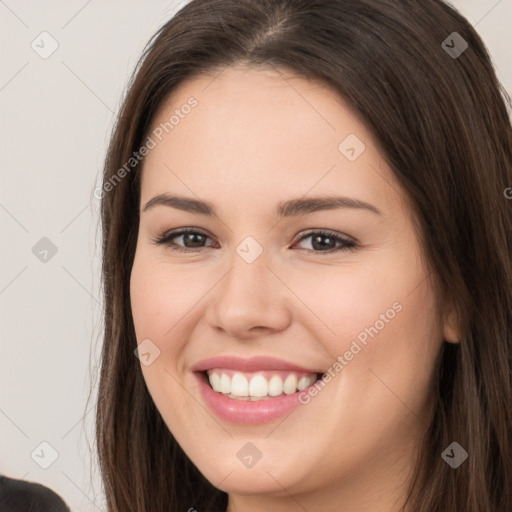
pixel 244 411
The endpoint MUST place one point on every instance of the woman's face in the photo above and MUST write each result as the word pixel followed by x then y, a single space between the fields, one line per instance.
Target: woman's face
pixel 269 290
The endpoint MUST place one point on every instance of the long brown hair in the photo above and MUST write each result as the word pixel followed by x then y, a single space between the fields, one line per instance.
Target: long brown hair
pixel 441 123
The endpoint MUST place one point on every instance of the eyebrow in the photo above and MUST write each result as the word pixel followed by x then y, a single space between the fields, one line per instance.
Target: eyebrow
pixel 292 207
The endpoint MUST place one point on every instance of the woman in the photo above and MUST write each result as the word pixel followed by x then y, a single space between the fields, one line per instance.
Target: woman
pixel 307 246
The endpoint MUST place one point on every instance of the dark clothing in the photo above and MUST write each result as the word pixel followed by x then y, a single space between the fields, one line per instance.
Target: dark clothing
pixel 21 496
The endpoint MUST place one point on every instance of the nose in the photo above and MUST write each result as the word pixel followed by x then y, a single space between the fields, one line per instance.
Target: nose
pixel 250 301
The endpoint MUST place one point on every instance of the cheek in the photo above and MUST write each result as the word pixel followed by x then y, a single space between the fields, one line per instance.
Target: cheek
pixel 163 298
pixel 146 304
pixel 347 303
pixel 161 301
pixel 379 318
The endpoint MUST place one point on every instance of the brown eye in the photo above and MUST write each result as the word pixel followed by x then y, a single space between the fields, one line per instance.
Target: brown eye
pixel 327 242
pixel 192 240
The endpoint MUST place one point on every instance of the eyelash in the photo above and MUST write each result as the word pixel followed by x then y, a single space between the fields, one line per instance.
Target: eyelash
pixel 165 239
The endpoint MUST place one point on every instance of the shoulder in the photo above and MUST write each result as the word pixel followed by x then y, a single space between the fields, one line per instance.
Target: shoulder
pixel 19 496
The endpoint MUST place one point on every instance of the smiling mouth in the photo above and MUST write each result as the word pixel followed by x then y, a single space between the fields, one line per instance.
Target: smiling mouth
pixel 257 386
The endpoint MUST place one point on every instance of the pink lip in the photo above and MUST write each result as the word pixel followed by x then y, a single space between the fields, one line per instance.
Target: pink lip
pixel 247 412
pixel 250 365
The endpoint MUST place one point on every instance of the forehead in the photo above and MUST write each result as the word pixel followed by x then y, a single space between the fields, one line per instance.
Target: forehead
pixel 262 132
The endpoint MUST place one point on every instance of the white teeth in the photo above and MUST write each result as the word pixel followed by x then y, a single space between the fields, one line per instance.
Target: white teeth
pixel 290 384
pixel 225 384
pixel 275 386
pixel 257 386
pixel 239 385
pixel 304 382
pixel 215 381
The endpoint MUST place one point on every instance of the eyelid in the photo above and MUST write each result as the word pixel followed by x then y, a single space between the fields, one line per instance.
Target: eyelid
pixel 324 231
pixel 348 243
pixel 164 238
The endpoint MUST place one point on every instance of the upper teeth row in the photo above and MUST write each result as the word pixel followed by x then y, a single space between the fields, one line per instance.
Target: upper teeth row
pixel 258 385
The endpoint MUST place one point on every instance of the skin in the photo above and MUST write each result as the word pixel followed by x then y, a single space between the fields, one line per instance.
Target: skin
pixel 257 137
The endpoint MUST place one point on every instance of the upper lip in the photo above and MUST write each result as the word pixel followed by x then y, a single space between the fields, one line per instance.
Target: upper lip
pixel 252 364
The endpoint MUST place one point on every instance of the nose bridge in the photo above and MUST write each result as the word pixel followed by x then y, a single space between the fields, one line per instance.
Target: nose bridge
pixel 250 295
pixel 247 284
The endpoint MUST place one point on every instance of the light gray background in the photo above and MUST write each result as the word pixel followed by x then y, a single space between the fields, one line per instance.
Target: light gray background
pixel 56 115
